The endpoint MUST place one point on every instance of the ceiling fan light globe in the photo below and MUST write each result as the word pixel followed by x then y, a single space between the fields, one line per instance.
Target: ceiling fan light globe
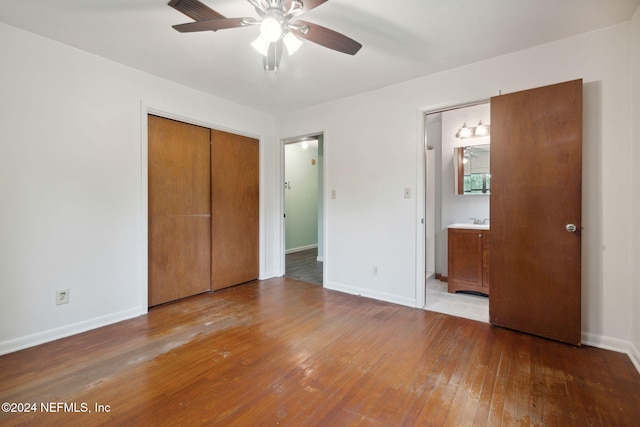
pixel 271 29
pixel 261 45
pixel 292 43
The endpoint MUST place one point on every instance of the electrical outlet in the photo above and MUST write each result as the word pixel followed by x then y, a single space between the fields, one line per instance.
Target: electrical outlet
pixel 62 297
pixel 375 270
pixel 407 193
pixel 333 194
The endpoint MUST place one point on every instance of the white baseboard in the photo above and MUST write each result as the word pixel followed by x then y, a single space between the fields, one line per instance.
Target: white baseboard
pixel 613 344
pixel 20 343
pixel 381 296
pixel 270 275
pixel 300 248
pixel 634 355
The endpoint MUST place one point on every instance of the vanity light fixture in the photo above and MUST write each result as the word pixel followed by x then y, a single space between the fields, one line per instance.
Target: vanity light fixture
pixel 473 131
pixel 464 132
pixel 481 130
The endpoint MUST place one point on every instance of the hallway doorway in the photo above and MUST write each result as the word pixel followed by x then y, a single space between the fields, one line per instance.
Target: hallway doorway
pixel 303 207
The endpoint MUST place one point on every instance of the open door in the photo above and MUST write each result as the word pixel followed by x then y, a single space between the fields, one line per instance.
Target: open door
pixel 536 176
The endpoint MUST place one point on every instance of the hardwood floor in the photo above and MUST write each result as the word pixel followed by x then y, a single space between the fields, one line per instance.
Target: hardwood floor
pixel 283 352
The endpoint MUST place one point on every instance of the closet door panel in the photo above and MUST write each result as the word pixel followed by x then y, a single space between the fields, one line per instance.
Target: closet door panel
pixel 235 198
pixel 179 210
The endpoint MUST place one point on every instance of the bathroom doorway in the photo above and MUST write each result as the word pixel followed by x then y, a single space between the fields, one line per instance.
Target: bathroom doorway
pixel 444 207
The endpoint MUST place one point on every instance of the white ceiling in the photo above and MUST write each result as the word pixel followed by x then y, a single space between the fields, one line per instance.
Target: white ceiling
pixel 401 40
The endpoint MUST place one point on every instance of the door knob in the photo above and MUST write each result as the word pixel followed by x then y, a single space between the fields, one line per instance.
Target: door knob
pixel 571 228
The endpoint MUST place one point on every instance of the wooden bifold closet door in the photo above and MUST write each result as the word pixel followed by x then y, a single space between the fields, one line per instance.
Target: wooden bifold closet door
pixel 235 194
pixel 203 209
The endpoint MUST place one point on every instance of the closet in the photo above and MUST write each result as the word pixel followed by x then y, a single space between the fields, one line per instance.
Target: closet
pixel 203 209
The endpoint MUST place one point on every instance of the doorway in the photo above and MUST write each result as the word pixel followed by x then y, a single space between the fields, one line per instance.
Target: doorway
pixel 536 173
pixel 444 207
pixel 303 208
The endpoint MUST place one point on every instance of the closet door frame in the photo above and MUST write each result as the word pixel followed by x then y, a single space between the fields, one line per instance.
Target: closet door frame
pixel 145 110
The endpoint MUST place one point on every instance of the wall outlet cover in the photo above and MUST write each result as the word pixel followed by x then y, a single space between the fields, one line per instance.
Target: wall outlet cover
pixel 62 296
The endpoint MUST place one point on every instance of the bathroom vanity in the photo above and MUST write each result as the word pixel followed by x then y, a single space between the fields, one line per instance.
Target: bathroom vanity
pixel 468 258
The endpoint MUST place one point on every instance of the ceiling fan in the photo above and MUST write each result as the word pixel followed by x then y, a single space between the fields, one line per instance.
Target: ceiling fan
pixel 279 27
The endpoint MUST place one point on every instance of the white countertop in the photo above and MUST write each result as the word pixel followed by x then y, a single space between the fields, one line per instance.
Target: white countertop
pixel 470 226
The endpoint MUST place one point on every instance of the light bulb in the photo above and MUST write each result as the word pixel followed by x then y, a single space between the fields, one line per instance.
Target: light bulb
pixel 271 29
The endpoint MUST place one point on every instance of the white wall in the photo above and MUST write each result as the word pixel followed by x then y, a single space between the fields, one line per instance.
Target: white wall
pixel 369 192
pixel 73 184
pixel 635 153
pixel 373 142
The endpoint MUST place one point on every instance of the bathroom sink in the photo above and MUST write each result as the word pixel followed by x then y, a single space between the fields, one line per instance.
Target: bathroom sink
pixel 470 226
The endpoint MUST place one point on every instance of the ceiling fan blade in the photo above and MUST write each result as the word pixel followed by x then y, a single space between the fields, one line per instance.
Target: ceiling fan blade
pixel 327 38
pixel 195 10
pixel 307 5
pixel 211 25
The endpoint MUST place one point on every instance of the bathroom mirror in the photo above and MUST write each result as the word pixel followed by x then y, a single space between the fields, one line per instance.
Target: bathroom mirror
pixel 471 165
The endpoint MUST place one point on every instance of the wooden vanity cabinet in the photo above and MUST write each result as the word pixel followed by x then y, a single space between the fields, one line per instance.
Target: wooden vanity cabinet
pixel 468 260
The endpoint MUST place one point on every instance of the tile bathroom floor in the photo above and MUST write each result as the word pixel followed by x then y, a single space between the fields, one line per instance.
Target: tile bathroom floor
pixel 472 307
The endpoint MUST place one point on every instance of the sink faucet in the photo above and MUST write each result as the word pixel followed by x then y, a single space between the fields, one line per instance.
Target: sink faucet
pixel 475 220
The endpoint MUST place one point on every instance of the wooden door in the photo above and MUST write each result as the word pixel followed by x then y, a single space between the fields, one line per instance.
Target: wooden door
pixel 536 170
pixel 179 210
pixel 235 197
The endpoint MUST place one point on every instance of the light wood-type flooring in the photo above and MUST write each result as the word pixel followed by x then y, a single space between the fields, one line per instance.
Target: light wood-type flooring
pixel 283 352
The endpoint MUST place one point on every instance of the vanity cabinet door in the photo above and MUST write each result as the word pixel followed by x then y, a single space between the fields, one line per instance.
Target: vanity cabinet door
pixel 468 260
